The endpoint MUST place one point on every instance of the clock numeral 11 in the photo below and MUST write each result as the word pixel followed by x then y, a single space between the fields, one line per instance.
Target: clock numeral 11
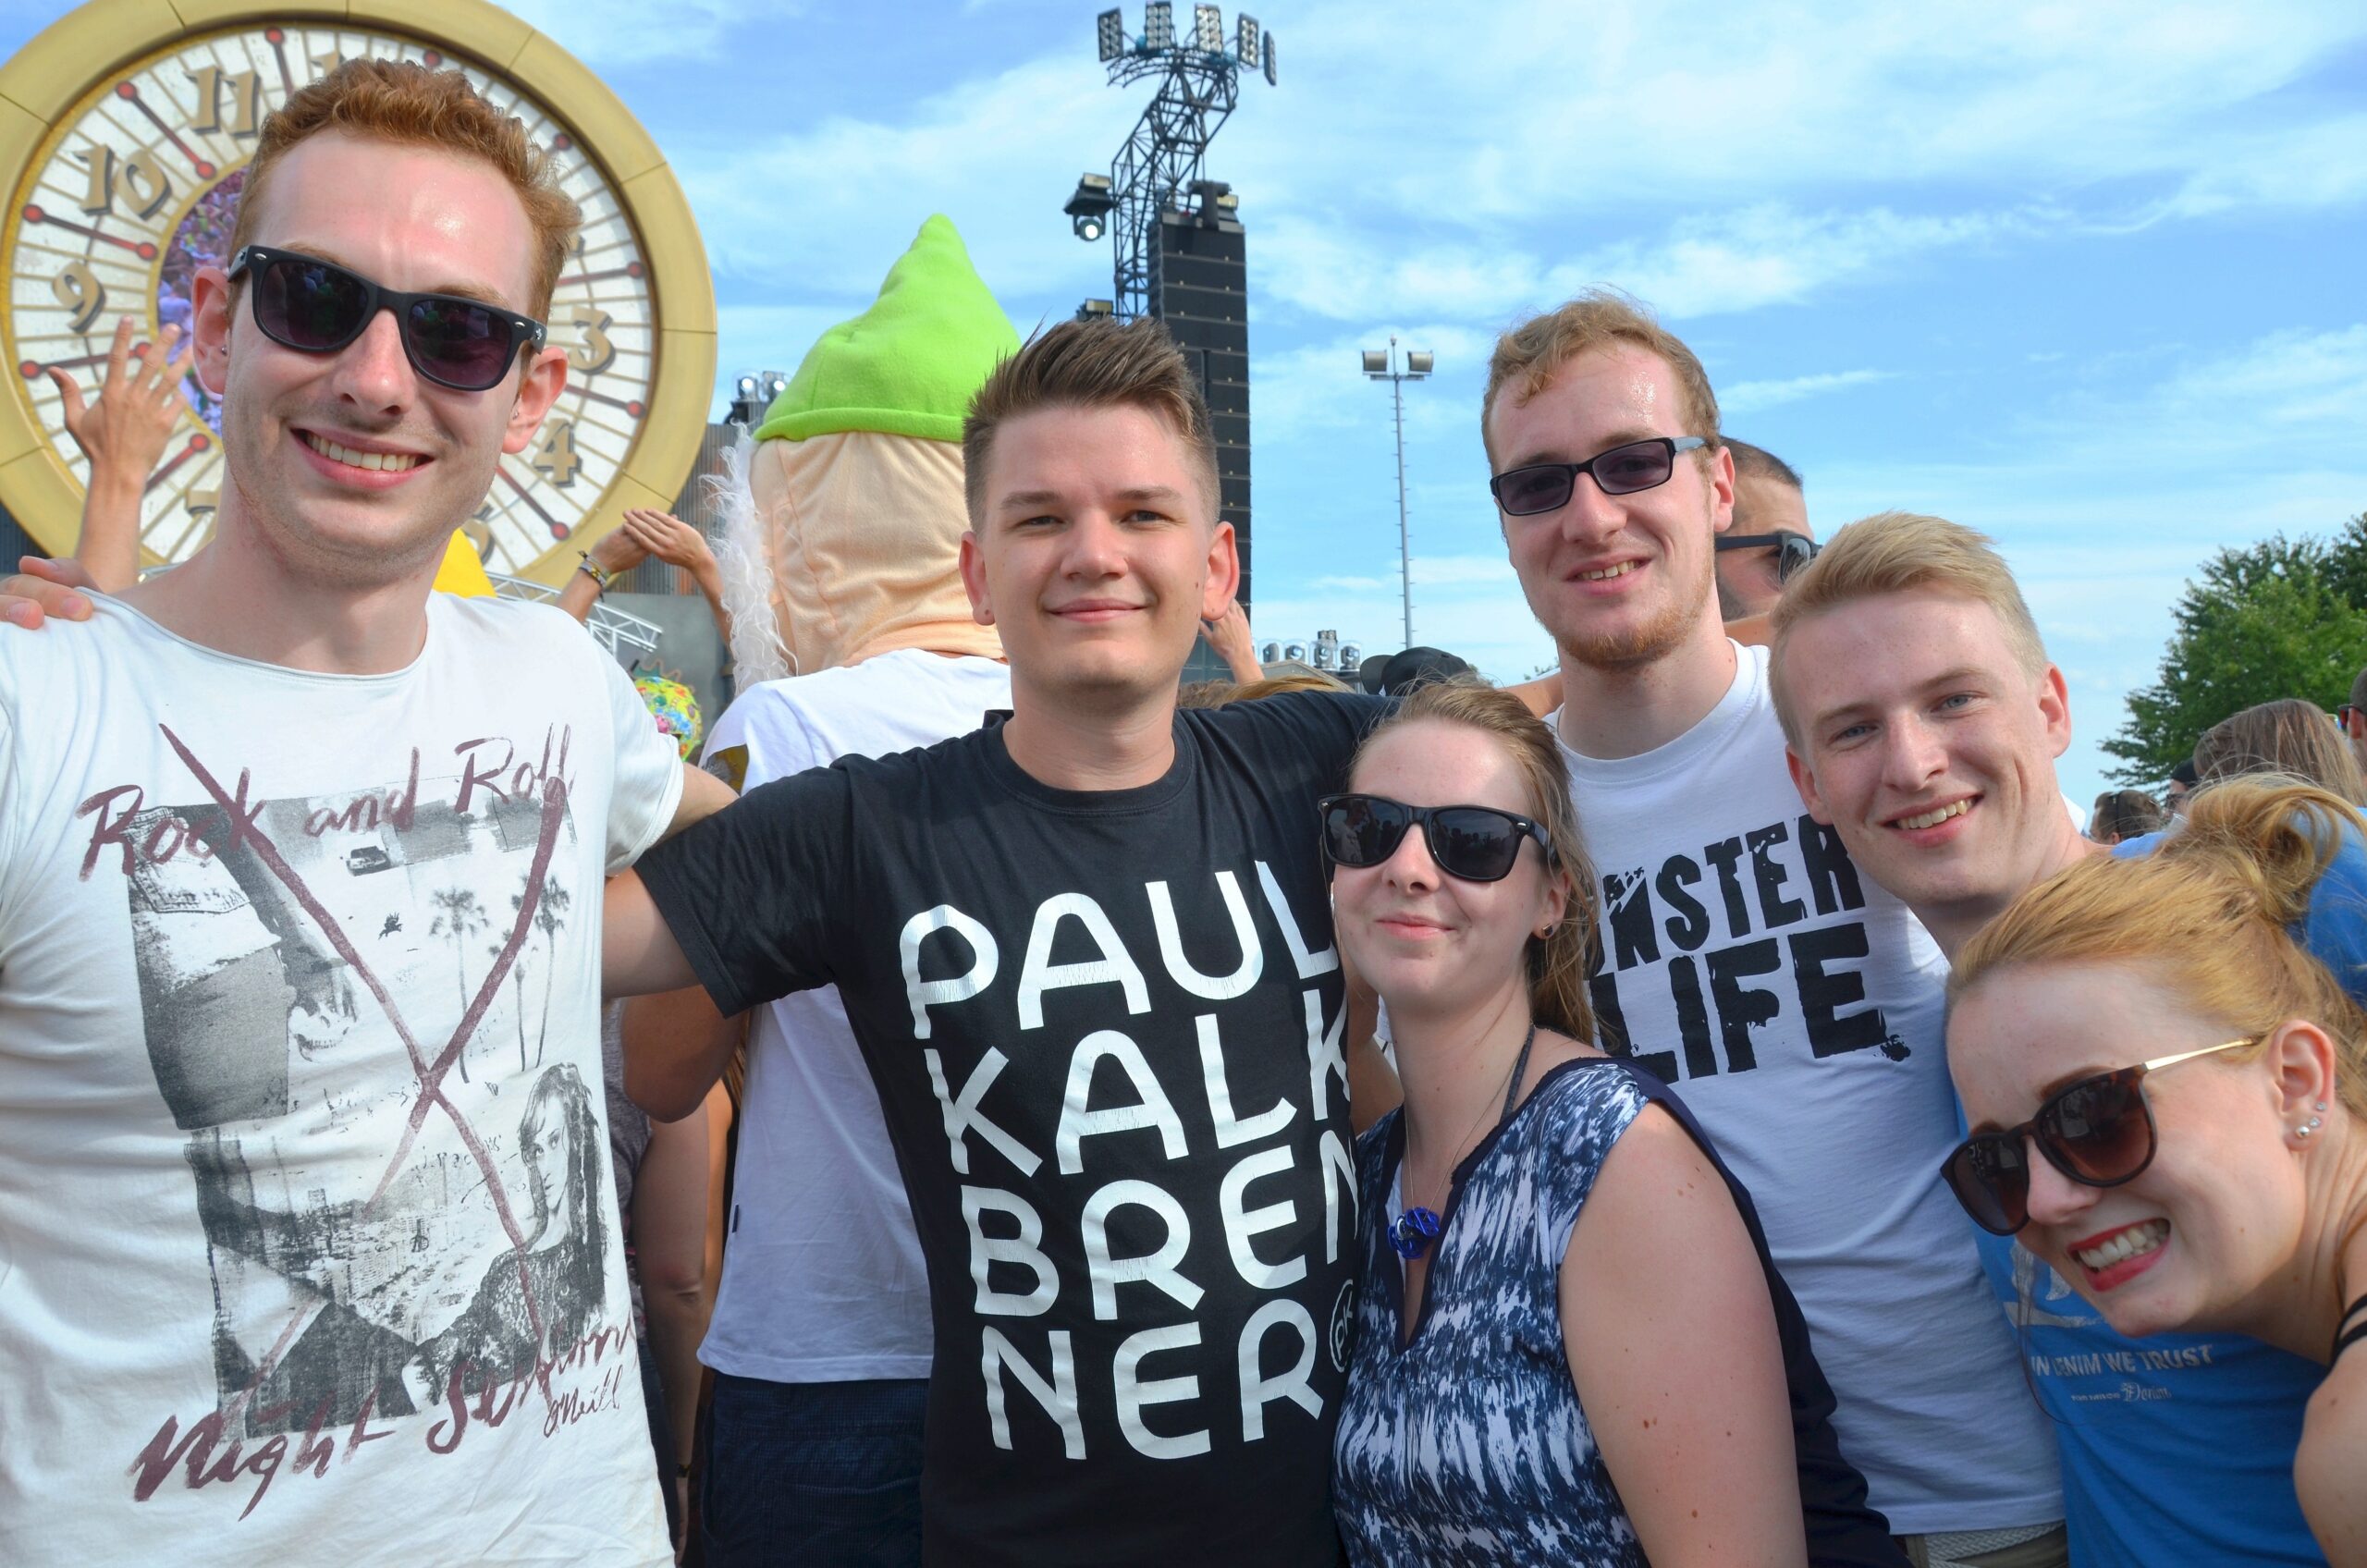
pixel 246 100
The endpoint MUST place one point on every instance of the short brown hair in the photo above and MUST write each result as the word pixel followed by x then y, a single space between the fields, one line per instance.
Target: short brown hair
pixel 1558 962
pixel 2288 736
pixel 1896 553
pixel 1091 364
pixel 1600 318
pixel 407 104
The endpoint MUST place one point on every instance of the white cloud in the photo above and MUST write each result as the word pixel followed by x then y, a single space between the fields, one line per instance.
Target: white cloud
pixel 1750 397
pixel 615 33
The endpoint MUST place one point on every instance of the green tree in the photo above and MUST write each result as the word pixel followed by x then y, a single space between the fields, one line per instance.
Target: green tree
pixel 2284 617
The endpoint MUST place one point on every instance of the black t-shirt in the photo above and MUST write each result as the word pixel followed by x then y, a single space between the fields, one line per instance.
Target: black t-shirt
pixel 1106 1029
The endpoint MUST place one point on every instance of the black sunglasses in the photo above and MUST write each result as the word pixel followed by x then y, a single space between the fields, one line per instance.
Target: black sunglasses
pixel 317 307
pixel 1792 551
pixel 2099 1132
pixel 1475 843
pixel 1622 471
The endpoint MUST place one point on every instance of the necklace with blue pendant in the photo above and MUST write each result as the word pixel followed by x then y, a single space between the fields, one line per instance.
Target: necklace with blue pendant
pixel 1412 1231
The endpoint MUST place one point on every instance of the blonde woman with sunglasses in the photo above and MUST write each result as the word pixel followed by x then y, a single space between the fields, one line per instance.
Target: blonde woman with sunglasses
pixel 2166 1096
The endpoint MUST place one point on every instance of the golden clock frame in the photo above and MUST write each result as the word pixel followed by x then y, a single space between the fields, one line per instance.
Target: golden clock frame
pixel 51 74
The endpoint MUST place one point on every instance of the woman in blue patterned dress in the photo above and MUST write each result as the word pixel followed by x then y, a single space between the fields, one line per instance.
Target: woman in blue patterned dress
pixel 1571 1348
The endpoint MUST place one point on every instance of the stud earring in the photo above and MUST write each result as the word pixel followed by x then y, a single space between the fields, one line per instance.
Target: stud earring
pixel 2309 1127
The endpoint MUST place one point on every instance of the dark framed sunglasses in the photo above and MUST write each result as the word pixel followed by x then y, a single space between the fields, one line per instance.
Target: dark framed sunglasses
pixel 317 307
pixel 1622 470
pixel 1792 551
pixel 1475 843
pixel 2099 1132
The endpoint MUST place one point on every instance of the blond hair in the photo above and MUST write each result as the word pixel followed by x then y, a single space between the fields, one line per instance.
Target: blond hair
pixel 2208 916
pixel 1526 357
pixel 1091 364
pixel 407 104
pixel 1899 553
pixel 2286 736
pixel 1557 962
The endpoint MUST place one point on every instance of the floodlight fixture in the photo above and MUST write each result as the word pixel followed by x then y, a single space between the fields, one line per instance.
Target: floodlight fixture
pixel 1088 206
pixel 1381 364
pixel 1269 59
pixel 745 387
pixel 1159 25
pixel 1245 39
pixel 774 384
pixel 1097 310
pixel 1208 25
pixel 1109 31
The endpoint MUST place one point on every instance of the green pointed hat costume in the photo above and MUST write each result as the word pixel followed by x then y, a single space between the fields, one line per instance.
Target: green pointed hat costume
pixel 908 365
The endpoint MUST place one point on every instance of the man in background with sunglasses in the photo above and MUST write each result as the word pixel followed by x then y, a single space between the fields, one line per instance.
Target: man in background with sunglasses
pixel 1769 538
pixel 1924 720
pixel 301 1260
pixel 1743 956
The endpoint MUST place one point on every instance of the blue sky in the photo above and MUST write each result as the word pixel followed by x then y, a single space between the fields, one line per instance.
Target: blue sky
pixel 2087 276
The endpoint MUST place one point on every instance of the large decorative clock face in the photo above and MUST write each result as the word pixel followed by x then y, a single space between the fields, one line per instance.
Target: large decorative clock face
pixel 134 189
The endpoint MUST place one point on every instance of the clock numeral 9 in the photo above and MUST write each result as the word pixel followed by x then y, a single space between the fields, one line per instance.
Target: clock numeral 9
pixel 554 456
pixel 595 353
pixel 246 100
pixel 140 178
pixel 79 289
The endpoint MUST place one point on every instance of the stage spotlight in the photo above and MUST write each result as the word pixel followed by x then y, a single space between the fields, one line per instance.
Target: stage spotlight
pixel 1088 206
pixel 1110 33
pixel 746 386
pixel 1097 310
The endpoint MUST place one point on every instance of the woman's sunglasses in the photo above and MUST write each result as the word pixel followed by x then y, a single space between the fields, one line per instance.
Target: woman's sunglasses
pixel 2098 1132
pixel 1792 551
pixel 1622 471
pixel 1475 843
pixel 317 307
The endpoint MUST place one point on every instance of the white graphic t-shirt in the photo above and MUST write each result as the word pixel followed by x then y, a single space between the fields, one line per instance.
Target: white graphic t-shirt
pixel 308 1248
pixel 1797 1008
pixel 822 1281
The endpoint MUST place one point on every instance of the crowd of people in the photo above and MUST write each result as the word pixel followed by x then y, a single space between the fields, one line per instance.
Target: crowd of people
pixel 1720 1103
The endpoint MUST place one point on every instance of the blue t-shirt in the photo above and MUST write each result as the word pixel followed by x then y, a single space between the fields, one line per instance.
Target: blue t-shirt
pixel 2139 1421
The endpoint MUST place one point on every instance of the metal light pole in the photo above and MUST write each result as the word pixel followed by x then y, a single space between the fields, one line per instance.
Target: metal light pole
pixel 1381 364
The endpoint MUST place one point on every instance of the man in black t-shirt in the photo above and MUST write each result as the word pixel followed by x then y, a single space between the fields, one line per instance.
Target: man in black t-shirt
pixel 1087 955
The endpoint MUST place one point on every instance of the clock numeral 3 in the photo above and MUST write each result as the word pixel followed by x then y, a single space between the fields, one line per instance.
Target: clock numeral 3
pixel 595 353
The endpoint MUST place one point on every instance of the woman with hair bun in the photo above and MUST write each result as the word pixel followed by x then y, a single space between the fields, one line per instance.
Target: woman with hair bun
pixel 1570 1344
pixel 2168 1102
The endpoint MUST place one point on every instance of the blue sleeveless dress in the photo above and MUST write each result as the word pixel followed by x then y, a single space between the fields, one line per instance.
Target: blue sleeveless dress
pixel 1467 1446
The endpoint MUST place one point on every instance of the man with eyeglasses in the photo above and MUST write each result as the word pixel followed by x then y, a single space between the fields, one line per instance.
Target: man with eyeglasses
pixel 1923 720
pixel 305 1259
pixel 1743 955
pixel 1769 538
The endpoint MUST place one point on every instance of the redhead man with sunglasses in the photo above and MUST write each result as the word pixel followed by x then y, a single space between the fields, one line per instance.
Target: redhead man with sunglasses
pixel 1923 722
pixel 1743 956
pixel 304 1260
